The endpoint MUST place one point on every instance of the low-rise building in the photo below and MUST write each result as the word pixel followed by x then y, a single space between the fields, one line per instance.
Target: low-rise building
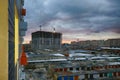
pixel 112 42
pixel 94 44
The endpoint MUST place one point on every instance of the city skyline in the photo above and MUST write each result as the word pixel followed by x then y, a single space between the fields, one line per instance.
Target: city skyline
pixel 79 19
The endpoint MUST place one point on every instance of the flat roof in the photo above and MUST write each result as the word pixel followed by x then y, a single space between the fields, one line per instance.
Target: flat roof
pixel 80 54
pixel 114 63
pixel 57 54
pixel 110 48
pixel 49 60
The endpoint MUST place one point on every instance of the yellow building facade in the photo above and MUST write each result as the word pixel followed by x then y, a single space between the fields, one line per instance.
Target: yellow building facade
pixel 4 39
pixel 10 28
pixel 16 34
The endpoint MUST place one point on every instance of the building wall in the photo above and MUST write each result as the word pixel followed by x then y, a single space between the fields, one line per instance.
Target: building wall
pixel 42 43
pixel 9 38
pixel 3 39
pixel 46 40
pixel 94 44
pixel 16 34
pixel 113 42
pixel 16 41
pixel 11 44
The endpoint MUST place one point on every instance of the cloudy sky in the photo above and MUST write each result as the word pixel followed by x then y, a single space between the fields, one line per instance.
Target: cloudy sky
pixel 75 19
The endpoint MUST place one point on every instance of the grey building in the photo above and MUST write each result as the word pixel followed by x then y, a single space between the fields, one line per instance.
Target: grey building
pixel 14 12
pixel 11 68
pixel 46 40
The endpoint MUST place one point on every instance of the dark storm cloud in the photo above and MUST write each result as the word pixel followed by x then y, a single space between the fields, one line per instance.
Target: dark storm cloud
pixel 78 16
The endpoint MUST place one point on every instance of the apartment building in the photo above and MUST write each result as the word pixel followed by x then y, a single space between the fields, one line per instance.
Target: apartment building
pixel 11 15
pixel 94 44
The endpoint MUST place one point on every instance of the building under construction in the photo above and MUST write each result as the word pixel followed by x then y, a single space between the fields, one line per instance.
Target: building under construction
pixel 46 40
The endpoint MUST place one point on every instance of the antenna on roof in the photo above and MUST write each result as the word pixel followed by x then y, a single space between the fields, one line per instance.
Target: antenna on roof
pixel 40 27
